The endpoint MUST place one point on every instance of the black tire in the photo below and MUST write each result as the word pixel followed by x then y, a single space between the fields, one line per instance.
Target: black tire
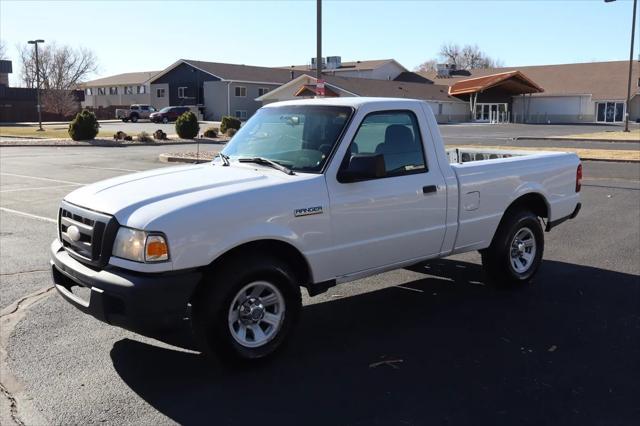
pixel 125 119
pixel 134 118
pixel 212 304
pixel 497 260
pixel 165 120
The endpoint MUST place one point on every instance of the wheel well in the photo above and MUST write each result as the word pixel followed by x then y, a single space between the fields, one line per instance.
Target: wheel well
pixel 283 251
pixel 533 202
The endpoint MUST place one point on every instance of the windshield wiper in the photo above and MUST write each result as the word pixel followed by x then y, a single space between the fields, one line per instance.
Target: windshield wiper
pixel 225 159
pixel 266 162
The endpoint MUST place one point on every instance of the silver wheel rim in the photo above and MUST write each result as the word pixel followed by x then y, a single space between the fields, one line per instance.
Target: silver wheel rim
pixel 523 250
pixel 256 314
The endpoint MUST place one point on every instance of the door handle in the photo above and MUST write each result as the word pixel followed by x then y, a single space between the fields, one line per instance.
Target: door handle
pixel 429 189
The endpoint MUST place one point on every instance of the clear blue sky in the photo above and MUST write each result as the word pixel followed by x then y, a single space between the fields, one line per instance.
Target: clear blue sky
pixel 148 35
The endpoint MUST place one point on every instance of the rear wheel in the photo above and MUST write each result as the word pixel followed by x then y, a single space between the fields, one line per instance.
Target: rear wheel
pixel 246 312
pixel 515 254
pixel 125 119
pixel 165 120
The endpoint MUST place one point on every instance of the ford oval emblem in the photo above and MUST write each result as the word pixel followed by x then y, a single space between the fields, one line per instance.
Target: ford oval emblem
pixel 74 233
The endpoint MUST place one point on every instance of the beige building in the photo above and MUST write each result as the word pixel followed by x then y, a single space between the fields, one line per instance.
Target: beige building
pixel 571 93
pixel 447 108
pixel 119 90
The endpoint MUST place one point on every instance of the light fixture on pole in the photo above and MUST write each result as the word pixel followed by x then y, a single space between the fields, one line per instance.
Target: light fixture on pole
pixel 633 33
pixel 39 108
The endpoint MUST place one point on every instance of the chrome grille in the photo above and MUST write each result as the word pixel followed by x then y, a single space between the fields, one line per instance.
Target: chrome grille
pixel 85 234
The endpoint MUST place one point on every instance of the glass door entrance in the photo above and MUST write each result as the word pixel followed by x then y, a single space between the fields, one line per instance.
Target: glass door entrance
pixel 610 112
pixel 491 113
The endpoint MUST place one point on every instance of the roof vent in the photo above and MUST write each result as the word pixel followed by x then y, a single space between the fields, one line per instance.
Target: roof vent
pixel 445 70
pixel 334 62
pixel 313 63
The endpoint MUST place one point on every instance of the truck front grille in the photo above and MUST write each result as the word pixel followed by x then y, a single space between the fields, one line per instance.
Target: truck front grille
pixel 86 235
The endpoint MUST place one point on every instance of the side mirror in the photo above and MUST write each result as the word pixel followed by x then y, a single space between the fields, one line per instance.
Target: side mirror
pixel 363 167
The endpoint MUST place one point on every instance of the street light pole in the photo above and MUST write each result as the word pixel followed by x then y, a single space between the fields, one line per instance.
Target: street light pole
pixel 633 33
pixel 39 108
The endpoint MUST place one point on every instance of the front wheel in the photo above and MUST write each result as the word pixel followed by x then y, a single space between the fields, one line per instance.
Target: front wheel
pixel 515 254
pixel 134 118
pixel 246 312
pixel 165 120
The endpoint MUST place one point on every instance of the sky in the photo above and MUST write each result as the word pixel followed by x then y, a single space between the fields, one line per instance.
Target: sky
pixel 132 35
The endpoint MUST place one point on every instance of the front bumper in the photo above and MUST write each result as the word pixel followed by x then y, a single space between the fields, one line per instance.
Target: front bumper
pixel 135 301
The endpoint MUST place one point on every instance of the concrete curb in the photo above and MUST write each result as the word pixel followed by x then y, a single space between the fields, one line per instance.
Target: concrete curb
pixel 108 144
pixel 563 139
pixel 169 158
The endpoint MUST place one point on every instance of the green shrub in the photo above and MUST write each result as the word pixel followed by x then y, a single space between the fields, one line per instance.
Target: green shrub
pixel 231 132
pixel 144 137
pixel 211 132
pixel 187 126
pixel 229 122
pixel 84 126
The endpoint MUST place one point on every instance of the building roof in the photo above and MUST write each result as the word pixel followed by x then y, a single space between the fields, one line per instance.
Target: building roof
pixel 129 78
pixel 375 88
pixel 236 72
pixel 412 77
pixel 349 66
pixel 512 81
pixel 603 80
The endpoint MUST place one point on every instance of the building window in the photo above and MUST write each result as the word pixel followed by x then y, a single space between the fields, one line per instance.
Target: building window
pixel 128 90
pixel 141 90
pixel 102 90
pixel 263 91
pixel 241 114
pixel 159 93
pixel 113 90
pixel 182 92
pixel 89 91
pixel 241 92
pixel 610 112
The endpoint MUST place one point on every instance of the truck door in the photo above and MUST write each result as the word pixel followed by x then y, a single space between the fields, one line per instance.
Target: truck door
pixel 387 220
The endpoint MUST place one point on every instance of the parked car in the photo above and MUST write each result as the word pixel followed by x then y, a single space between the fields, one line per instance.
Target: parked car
pixel 170 113
pixel 135 112
pixel 308 193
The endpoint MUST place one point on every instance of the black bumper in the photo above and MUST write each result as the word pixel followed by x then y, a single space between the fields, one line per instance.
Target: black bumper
pixel 135 301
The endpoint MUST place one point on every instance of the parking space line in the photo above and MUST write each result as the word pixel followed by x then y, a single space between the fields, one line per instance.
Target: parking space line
pixel 42 178
pixel 39 188
pixel 29 215
pixel 105 168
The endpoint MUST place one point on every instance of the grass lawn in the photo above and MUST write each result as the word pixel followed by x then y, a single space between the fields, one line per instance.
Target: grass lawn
pixel 633 135
pixel 54 131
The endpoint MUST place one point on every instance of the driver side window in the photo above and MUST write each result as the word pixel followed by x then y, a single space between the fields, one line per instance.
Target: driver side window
pixel 396 136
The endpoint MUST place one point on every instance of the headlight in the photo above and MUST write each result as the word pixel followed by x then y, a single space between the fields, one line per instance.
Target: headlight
pixel 140 246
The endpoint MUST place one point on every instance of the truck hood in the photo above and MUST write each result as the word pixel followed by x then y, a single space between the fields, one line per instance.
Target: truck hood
pixel 123 195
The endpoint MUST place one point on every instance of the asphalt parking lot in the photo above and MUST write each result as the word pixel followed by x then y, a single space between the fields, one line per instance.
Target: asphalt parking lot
pixel 431 345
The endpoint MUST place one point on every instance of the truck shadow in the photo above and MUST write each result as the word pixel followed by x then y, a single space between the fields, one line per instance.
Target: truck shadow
pixel 563 351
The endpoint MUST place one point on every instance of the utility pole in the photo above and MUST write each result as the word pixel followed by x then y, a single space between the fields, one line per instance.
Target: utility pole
pixel 633 33
pixel 318 39
pixel 35 42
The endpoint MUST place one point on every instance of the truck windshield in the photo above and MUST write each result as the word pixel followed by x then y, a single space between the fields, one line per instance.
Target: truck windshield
pixel 298 137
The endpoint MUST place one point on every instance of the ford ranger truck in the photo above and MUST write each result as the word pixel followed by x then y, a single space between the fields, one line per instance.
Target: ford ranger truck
pixel 308 193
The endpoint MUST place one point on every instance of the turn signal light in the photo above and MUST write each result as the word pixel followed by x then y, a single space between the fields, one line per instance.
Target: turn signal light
pixel 156 249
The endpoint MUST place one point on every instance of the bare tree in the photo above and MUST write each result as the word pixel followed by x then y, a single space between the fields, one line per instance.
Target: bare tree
pixel 429 65
pixel 465 58
pixel 61 69
pixel 3 50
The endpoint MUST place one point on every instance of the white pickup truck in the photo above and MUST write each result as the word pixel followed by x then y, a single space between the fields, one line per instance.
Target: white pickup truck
pixel 309 193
